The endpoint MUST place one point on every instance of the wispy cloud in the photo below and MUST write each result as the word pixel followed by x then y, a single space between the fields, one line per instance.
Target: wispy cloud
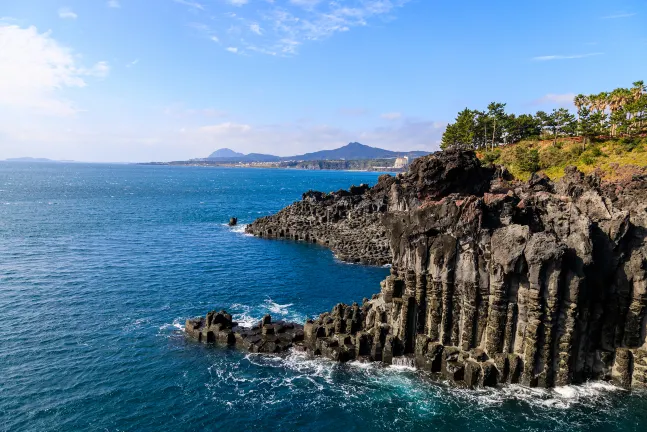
pixel 565 99
pixel 191 4
pixel 566 57
pixel 391 116
pixel 113 4
pixel 286 26
pixel 67 13
pixel 620 15
pixel 132 63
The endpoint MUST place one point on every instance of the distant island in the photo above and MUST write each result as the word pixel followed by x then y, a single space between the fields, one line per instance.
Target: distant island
pixel 352 156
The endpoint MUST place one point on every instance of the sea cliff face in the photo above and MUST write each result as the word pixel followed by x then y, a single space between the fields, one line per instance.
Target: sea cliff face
pixel 492 280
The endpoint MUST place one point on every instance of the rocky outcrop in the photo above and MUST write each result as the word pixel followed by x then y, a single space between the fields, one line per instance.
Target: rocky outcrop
pixel 493 280
pixel 349 222
pixel 265 337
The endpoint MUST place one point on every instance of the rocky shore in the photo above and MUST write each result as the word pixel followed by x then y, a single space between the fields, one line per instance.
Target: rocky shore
pixel 493 280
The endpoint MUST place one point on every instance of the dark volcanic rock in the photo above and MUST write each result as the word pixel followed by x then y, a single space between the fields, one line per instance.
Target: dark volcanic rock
pixel 349 222
pixel 493 281
pixel 265 337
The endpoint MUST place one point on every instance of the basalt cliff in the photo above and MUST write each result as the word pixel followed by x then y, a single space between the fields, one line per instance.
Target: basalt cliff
pixel 493 280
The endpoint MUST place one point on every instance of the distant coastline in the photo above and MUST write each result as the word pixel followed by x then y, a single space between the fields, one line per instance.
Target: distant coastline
pixel 363 165
pixel 351 157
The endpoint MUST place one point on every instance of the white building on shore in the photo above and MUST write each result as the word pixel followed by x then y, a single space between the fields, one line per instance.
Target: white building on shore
pixel 401 162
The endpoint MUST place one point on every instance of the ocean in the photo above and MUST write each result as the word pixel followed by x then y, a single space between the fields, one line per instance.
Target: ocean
pixel 100 265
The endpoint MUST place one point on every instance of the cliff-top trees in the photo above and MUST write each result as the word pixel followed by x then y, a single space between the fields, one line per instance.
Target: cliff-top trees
pixel 622 112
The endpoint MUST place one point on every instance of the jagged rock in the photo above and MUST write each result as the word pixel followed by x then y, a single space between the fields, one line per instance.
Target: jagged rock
pixel 492 280
pixel 265 337
pixel 233 221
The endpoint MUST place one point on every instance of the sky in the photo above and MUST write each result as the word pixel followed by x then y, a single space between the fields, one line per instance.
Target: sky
pixel 160 80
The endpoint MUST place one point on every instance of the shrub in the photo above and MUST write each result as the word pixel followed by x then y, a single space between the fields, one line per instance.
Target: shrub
pixel 491 156
pixel 575 152
pixel 596 152
pixel 629 144
pixel 552 156
pixel 526 159
pixel 587 159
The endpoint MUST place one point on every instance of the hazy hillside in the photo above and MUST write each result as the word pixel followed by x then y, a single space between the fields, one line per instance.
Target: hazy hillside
pixel 351 151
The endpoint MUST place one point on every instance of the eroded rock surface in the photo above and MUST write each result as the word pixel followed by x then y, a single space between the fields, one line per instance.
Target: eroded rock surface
pixel 493 280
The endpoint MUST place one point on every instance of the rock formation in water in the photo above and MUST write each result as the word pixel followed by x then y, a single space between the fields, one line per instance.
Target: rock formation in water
pixel 265 337
pixel 492 280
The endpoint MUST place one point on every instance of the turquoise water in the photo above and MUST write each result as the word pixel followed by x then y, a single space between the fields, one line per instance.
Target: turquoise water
pixel 100 265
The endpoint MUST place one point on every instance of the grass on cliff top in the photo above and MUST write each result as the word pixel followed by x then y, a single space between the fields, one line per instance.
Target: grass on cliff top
pixel 612 159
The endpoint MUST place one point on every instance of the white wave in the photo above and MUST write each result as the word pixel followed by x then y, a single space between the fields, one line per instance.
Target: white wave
pixel 239 229
pixel 175 325
pixel 275 308
pixel 362 365
pixel 562 397
pixel 402 368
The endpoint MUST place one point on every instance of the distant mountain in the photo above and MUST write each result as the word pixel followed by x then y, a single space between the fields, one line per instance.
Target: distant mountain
pixel 225 153
pixel 354 151
pixel 351 151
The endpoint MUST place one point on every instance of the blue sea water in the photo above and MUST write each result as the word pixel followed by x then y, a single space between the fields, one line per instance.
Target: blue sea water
pixel 100 265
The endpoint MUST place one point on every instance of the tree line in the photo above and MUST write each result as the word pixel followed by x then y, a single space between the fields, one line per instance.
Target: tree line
pixel 620 113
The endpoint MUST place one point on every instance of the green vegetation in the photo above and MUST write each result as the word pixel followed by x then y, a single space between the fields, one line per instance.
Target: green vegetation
pixel 621 113
pixel 612 158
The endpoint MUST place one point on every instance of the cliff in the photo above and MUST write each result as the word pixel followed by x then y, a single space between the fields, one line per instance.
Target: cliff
pixel 493 280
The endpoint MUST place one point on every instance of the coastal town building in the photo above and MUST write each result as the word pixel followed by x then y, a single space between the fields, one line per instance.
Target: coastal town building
pixel 401 162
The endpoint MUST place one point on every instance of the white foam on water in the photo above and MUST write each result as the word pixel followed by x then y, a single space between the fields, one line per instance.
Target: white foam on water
pixel 175 325
pixel 243 318
pixel 275 308
pixel 402 367
pixel 238 229
pixel 362 365
pixel 562 397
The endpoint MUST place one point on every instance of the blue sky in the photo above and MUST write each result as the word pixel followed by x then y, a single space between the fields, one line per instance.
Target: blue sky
pixel 139 80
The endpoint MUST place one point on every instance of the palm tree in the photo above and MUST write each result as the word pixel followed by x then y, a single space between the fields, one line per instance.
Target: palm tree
pixel 616 101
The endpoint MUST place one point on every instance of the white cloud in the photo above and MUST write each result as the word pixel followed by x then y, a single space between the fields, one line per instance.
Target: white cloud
pixel 67 13
pixel 565 57
pixel 191 4
pixel 287 25
pixel 391 116
pixel 36 70
pixel 232 49
pixel 132 63
pixel 561 100
pixel 99 70
pixel 619 15
pixel 114 4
